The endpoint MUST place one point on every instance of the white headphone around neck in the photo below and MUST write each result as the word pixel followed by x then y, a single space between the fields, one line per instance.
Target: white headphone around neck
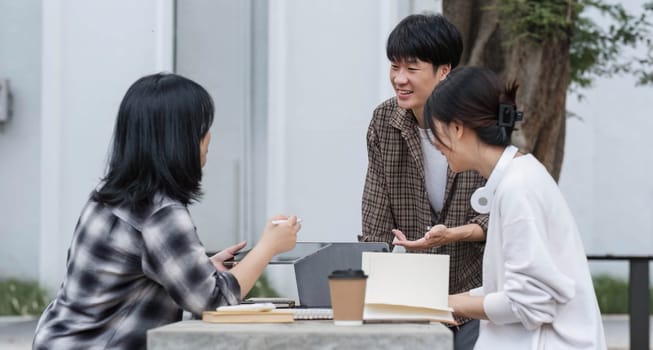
pixel 482 197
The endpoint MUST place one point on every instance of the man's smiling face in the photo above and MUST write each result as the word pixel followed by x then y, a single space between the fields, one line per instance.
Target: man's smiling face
pixel 413 81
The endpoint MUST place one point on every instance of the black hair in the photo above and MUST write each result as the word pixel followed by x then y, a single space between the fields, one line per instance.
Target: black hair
pixel 474 96
pixel 428 37
pixel 156 142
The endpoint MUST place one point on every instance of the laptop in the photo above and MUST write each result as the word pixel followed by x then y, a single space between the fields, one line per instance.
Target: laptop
pixel 313 262
pixel 312 270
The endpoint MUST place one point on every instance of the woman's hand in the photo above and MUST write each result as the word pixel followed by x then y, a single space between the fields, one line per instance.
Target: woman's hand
pixel 280 237
pixel 226 254
pixel 456 300
pixel 437 236
pixel 276 238
pixel 465 305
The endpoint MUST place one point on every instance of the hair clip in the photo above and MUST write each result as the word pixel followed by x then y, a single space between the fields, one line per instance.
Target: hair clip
pixel 508 115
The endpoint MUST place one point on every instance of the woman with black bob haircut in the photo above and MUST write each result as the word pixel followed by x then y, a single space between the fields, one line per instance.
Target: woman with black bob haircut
pixel 136 261
pixel 537 291
pixel 161 122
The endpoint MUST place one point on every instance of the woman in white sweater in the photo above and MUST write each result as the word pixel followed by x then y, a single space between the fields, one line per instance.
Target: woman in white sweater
pixel 537 291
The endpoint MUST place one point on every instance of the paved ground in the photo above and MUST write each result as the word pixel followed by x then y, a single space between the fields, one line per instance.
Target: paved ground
pixel 617 331
pixel 16 332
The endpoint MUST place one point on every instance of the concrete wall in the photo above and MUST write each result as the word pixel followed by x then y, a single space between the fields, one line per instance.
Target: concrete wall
pixel 327 71
pixel 607 175
pixel 92 52
pixel 20 59
pixel 221 31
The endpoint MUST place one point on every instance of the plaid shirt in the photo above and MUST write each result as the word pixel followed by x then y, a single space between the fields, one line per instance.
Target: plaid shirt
pixel 127 273
pixel 395 195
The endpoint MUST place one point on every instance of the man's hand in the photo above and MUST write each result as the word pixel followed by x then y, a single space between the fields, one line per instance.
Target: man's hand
pixel 435 237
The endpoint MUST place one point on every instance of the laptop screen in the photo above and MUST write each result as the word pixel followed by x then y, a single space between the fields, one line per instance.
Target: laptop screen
pixel 301 250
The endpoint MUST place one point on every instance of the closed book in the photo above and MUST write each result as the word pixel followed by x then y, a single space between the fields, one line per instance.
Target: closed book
pixel 271 316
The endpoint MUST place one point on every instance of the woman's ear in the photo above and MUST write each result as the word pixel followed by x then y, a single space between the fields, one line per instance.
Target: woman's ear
pixel 458 129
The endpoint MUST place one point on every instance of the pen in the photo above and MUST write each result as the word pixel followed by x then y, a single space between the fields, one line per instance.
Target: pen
pixel 277 222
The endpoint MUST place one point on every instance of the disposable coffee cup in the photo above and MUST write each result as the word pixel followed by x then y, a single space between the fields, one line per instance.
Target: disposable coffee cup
pixel 347 288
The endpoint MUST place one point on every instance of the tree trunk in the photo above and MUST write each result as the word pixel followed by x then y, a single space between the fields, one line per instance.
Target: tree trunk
pixel 542 71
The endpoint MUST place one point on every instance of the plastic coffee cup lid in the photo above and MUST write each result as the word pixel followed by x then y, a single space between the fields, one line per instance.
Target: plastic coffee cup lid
pixel 347 274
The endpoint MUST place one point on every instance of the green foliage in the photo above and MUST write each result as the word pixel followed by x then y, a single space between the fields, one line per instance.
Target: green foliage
pixel 595 51
pixel 599 51
pixel 22 298
pixel 262 288
pixel 612 295
pixel 27 298
pixel 535 20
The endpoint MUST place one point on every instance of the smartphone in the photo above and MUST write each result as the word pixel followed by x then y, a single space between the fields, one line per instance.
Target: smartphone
pixel 238 257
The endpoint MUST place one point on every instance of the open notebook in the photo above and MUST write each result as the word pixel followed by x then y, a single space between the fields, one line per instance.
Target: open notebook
pixel 406 287
pixel 313 313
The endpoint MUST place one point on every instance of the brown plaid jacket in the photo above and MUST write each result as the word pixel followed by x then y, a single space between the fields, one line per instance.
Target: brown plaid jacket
pixel 395 195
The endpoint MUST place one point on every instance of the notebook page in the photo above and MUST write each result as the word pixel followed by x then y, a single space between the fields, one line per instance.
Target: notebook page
pixel 416 280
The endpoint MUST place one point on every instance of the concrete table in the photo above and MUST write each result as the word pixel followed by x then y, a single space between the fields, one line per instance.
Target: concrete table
pixel 299 335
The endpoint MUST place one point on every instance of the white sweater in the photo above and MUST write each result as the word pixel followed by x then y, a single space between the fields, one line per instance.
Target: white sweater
pixel 537 285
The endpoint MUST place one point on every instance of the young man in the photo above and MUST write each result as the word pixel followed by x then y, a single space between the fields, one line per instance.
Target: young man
pixel 411 197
